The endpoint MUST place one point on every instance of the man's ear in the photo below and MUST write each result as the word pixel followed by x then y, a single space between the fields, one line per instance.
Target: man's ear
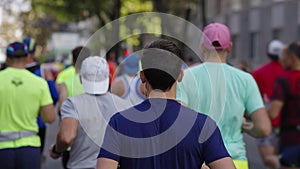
pixel 229 49
pixel 142 76
pixel 180 77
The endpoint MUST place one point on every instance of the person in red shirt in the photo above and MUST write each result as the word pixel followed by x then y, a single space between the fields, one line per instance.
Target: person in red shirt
pixel 286 99
pixel 265 77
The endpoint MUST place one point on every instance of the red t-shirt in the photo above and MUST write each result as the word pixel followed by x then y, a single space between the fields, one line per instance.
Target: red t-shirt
pixel 265 77
pixel 287 90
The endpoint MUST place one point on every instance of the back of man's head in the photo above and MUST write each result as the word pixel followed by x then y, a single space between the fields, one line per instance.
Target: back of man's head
pixel 79 54
pixel 294 48
pixel 216 36
pixel 274 49
pixel 161 64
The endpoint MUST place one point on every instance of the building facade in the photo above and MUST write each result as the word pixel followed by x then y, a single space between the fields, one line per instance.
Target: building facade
pixel 254 23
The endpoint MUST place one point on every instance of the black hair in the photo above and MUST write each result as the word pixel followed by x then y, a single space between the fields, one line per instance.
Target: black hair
pixel 161 68
pixel 79 54
pixel 294 48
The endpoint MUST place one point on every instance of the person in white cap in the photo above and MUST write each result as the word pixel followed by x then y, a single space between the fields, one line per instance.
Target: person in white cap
pixel 85 116
pixel 224 93
pixel 265 77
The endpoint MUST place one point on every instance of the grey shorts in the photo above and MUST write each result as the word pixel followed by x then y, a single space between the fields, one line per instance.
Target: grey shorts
pixel 271 140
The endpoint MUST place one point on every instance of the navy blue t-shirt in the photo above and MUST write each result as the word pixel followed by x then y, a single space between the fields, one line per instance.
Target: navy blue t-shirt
pixel 162 134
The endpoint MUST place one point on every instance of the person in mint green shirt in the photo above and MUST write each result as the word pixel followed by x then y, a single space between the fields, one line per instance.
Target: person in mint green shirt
pixel 23 97
pixel 224 93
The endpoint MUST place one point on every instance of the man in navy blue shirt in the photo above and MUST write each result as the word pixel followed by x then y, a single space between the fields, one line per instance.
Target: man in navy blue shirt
pixel 160 133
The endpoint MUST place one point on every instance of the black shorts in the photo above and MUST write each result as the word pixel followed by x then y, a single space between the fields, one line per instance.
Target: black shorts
pixel 290 156
pixel 20 158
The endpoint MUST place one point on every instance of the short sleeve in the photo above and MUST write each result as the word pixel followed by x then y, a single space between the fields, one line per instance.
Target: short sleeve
pixel 214 148
pixel 68 110
pixel 278 90
pixel 253 99
pixel 59 78
pixel 111 145
pixel 45 94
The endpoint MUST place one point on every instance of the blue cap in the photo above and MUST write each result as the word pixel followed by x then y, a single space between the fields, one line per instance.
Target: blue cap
pixel 131 64
pixel 31 44
pixel 16 50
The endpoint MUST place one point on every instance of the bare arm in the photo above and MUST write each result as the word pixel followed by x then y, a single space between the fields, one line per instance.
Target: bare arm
pixel 48 74
pixel 105 163
pixel 222 163
pixel 63 94
pixel 117 88
pixel 262 124
pixel 47 113
pixel 275 108
pixel 65 136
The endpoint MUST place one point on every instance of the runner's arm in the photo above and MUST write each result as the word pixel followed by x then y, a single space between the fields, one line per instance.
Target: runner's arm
pixel 262 124
pixel 105 163
pixel 255 108
pixel 222 163
pixel 66 134
pixel 47 113
pixel 63 94
pixel 275 108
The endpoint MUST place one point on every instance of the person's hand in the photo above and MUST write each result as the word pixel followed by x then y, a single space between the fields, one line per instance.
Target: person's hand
pixel 247 125
pixel 266 99
pixel 53 154
pixel 204 166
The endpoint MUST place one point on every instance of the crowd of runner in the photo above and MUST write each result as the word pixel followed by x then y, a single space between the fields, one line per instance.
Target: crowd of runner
pixel 150 112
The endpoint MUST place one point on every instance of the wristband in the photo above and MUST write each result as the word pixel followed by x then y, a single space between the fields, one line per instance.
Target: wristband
pixel 54 151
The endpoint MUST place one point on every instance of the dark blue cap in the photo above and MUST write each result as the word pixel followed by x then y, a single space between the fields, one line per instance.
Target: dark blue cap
pixel 31 44
pixel 16 50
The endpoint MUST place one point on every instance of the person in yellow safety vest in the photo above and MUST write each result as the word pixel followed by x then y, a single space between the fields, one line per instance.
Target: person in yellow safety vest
pixel 23 97
pixel 71 86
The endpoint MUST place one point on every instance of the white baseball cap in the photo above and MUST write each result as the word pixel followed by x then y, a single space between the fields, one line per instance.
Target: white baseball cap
pixel 275 47
pixel 95 75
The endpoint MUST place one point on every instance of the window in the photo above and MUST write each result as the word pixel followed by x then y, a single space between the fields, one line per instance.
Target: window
pixel 254 45
pixel 276 34
pixel 236 5
pixel 218 7
pixel 255 2
pixel 298 32
pixel 235 45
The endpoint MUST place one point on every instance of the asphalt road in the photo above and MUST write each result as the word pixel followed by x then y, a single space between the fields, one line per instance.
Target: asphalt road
pixel 252 152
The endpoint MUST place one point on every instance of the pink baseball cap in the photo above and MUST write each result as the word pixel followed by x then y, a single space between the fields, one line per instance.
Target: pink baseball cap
pixel 216 36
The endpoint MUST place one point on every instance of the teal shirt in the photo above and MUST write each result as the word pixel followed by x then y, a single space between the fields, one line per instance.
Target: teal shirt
pixel 224 93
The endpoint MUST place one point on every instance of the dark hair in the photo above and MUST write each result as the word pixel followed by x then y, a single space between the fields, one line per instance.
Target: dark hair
pixel 160 66
pixel 79 54
pixel 294 48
